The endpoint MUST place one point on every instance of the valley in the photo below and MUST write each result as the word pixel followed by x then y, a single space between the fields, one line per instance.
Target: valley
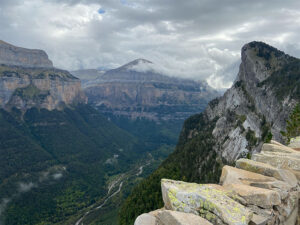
pixel 69 160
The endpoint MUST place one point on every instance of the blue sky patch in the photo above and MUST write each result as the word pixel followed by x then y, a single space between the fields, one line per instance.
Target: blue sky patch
pixel 101 11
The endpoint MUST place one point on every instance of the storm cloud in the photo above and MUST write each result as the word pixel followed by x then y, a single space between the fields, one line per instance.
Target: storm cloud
pixel 198 39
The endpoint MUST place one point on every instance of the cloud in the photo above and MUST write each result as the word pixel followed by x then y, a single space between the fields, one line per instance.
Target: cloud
pixel 57 176
pixel 25 187
pixel 196 39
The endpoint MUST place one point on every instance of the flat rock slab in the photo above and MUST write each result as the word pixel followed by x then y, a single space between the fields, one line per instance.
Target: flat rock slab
pixel 278 160
pixel 267 170
pixel 232 175
pixel 261 197
pixel 167 217
pixel 278 148
pixel 276 143
pixel 211 203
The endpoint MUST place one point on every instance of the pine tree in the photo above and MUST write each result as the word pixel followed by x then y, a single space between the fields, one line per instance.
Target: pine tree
pixel 293 124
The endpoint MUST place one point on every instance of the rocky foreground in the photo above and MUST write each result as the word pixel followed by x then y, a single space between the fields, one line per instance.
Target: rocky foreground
pixel 260 191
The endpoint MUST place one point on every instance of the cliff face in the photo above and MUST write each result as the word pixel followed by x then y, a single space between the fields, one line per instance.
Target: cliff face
pixel 28 79
pixel 12 55
pixel 254 110
pixel 256 104
pixel 136 90
pixel 25 88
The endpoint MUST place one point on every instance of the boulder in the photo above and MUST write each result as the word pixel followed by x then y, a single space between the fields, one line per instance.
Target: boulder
pixel 167 217
pixel 146 219
pixel 258 220
pixel 204 200
pixel 267 170
pixel 232 175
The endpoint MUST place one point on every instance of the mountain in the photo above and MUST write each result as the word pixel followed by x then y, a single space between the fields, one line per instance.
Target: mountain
pixel 49 88
pixel 138 90
pixel 59 156
pixel 254 110
pixel 87 75
pixel 12 55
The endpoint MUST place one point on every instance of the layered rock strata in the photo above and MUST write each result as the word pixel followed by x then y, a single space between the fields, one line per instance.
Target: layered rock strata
pixel 24 88
pixel 262 191
pixel 134 93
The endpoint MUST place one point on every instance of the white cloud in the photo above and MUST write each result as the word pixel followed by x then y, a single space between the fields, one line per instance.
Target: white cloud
pixel 25 187
pixel 191 39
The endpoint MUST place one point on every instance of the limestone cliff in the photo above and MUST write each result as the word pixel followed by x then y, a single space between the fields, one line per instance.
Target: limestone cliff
pixel 12 55
pixel 28 79
pixel 256 105
pixel 25 88
pixel 137 89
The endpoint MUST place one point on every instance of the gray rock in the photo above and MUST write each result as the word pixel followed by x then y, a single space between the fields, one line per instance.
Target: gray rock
pixel 146 219
pixel 258 220
pixel 12 55
pixel 204 200
pixel 167 217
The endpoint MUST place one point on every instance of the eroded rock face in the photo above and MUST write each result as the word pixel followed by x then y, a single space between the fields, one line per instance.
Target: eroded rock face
pixel 251 108
pixel 255 193
pixel 12 55
pixel 24 88
pixel 131 92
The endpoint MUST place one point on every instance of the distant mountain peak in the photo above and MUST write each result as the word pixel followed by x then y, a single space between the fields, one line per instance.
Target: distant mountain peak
pixel 140 60
pixel 136 62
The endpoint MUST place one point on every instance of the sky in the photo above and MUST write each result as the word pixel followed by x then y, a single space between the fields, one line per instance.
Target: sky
pixel 197 39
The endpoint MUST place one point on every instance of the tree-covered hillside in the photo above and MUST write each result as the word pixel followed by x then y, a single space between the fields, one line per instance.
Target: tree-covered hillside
pixel 54 163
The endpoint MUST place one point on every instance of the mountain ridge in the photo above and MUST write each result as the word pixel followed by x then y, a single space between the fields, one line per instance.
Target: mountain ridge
pixel 252 111
pixel 18 56
pixel 125 91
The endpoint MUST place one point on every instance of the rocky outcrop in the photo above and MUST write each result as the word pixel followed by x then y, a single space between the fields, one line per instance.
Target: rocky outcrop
pixel 255 106
pixel 256 192
pixel 12 55
pixel 138 89
pixel 24 88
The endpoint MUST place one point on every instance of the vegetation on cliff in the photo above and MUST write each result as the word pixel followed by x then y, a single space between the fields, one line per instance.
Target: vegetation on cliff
pixel 180 165
pixel 293 124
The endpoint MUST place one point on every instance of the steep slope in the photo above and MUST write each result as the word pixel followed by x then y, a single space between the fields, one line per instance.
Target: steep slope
pixel 235 125
pixel 58 155
pixel 137 90
pixel 12 55
pixel 54 158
